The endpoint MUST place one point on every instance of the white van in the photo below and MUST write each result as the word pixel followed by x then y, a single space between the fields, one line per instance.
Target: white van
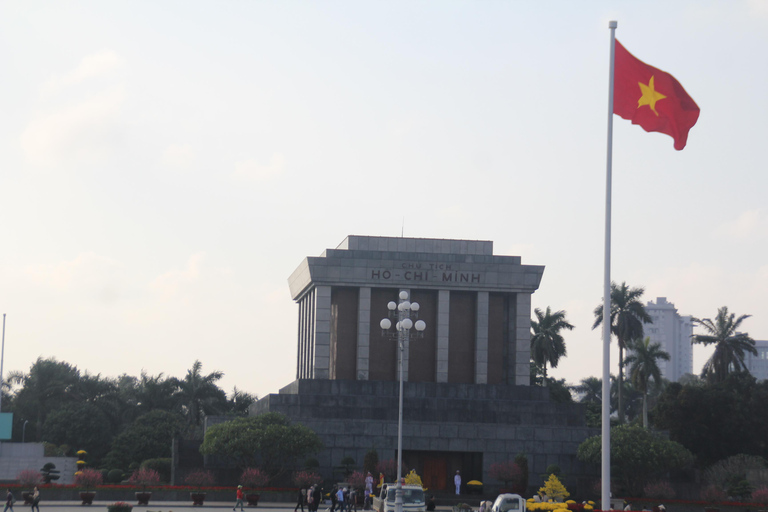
pixel 509 503
pixel 413 499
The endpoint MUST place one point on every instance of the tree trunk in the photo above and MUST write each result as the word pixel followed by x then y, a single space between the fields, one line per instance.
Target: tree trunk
pixel 621 384
pixel 645 409
pixel 545 375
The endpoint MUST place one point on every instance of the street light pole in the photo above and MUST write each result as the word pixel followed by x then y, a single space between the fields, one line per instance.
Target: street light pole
pixel 24 431
pixel 405 309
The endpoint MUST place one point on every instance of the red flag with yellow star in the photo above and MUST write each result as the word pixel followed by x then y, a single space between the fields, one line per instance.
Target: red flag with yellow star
pixel 651 98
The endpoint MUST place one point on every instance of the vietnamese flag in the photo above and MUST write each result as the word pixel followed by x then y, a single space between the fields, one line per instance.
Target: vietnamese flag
pixel 651 98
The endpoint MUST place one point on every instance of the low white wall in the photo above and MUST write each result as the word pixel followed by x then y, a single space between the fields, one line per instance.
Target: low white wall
pixel 15 457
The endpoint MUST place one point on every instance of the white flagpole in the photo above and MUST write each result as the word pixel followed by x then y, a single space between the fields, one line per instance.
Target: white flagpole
pixel 605 494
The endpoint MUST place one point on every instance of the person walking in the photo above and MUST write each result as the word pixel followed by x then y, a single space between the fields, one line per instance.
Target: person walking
pixel 334 498
pixel 352 507
pixel 10 499
pixel 317 497
pixel 240 497
pixel 300 500
pixel 36 499
pixel 340 500
pixel 457 482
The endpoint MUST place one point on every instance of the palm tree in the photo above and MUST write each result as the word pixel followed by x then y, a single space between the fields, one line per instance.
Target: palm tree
pixel 199 394
pixel 643 363
pixel 547 344
pixel 590 390
pixel 627 318
pixel 730 346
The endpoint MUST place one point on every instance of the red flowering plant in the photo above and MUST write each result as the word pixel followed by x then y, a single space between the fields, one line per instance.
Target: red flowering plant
pixel 304 479
pixel 200 478
pixel 760 495
pixel 88 478
pixel 253 478
pixel 713 494
pixel 356 480
pixel 29 478
pixel 660 490
pixel 388 468
pixel 144 477
pixel 509 473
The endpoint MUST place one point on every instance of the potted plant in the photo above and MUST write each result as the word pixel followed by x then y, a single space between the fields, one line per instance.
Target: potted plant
pixel 119 506
pixel 144 477
pixel 88 479
pixel 199 479
pixel 27 479
pixel 252 479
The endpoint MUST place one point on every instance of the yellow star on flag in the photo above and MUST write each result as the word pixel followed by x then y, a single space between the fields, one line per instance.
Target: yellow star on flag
pixel 650 96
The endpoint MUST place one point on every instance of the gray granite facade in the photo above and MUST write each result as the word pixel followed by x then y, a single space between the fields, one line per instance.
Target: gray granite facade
pixel 492 422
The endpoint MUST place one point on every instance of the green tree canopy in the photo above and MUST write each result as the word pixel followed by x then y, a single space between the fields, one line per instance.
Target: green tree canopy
pixel 50 384
pixel 149 437
pixel 82 426
pixel 718 420
pixel 269 438
pixel 637 456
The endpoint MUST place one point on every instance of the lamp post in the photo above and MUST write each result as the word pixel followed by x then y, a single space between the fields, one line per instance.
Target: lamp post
pixel 24 432
pixel 403 311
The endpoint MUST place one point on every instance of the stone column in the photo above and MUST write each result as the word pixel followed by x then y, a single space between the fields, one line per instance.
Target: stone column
pixel 322 359
pixel 363 333
pixel 481 339
pixel 523 339
pixel 443 313
pixel 300 350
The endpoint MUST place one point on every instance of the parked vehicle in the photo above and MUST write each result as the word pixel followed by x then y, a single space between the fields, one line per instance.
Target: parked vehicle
pixel 509 502
pixel 413 499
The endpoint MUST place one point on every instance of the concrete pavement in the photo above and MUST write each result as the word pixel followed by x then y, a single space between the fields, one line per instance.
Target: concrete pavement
pixel 169 506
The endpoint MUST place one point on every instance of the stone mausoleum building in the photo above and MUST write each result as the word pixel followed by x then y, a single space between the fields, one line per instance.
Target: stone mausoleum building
pixel 467 399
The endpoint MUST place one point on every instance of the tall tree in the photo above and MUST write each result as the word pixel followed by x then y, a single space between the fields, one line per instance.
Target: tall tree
pixel 590 390
pixel 627 318
pixel 158 392
pixel 643 363
pixel 199 394
pixel 547 344
pixel 239 402
pixel 590 393
pixel 50 384
pixel 730 346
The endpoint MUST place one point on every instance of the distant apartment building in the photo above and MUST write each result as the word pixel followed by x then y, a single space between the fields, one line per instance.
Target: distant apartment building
pixel 673 332
pixel 758 365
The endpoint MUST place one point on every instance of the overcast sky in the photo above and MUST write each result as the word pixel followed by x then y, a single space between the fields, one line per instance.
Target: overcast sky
pixel 165 166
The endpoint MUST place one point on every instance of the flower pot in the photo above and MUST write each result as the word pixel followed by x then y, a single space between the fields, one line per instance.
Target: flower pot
pixel 119 507
pixel 87 497
pixel 198 498
pixel 143 497
pixel 252 499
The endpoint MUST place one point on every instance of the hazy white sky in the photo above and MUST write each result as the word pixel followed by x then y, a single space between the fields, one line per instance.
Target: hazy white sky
pixel 165 166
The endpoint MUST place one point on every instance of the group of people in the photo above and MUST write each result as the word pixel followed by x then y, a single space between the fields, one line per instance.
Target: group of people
pixel 10 499
pixel 342 499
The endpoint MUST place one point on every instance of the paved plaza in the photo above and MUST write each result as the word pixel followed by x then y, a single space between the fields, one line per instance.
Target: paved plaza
pixel 167 506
